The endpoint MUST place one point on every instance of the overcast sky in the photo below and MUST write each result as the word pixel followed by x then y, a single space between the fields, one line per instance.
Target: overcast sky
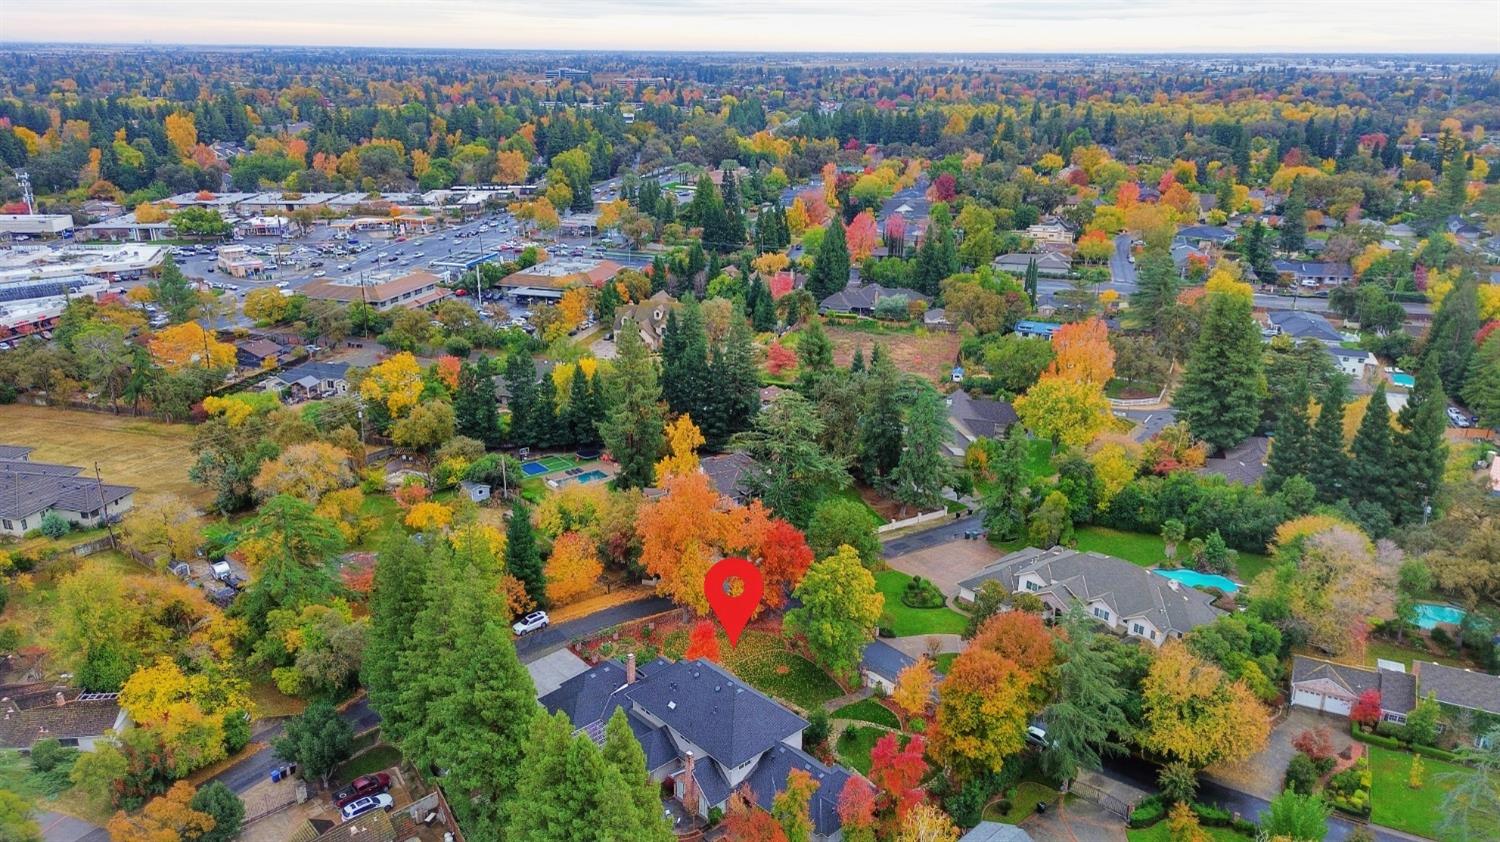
pixel 779 25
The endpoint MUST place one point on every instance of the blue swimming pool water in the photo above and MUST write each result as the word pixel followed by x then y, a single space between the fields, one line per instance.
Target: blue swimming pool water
pixel 590 476
pixel 1401 378
pixel 534 469
pixel 1430 614
pixel 1194 579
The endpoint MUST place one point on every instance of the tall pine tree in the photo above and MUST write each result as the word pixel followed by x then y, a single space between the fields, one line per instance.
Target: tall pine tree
pixel 520 382
pixel 1293 218
pixel 523 559
pixel 474 405
pixel 1422 448
pixel 1328 464
pixel 830 272
pixel 633 427
pixel 1291 448
pixel 1225 380
pixel 1373 464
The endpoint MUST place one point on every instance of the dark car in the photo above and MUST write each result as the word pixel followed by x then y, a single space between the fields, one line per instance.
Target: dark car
pixel 361 787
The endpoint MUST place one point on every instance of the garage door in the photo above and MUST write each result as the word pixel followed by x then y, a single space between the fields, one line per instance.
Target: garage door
pixel 1318 701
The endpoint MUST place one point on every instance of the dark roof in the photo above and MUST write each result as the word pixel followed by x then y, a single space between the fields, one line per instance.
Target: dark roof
pixel 713 709
pixel 15 451
pixel 1209 233
pixel 260 348
pixel 1300 324
pixel 1245 463
pixel 981 416
pixel 1459 687
pixel 320 371
pixel 712 782
pixel 1314 268
pixel 27 488
pixel 995 832
pixel 865 297
pixel 769 778
pixel 36 715
pixel 729 473
pixel 588 697
pixel 884 660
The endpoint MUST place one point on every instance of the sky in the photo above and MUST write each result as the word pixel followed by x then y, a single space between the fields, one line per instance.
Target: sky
pixel 1138 26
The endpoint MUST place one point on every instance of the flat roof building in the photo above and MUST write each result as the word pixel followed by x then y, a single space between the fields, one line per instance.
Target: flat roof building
pixel 414 289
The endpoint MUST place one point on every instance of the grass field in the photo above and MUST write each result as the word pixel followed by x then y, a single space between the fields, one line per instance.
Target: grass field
pixel 1394 804
pixel 1028 795
pixel 1389 650
pixel 765 663
pixel 376 759
pixel 152 456
pixel 855 744
pixel 927 355
pixel 1146 550
pixel 868 710
pixel 905 620
pixel 944 662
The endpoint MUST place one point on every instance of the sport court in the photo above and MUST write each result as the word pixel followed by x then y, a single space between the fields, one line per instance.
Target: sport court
pixel 547 465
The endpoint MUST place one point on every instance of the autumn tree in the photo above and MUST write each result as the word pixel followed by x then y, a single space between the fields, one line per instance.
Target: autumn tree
pixel 857 811
pixel 1195 714
pixel 745 821
pixel 16 823
pixel 703 642
pixel 984 704
pixel 926 823
pixel 395 382
pixel 1067 412
pixel 683 441
pixel 165 525
pixel 840 606
pixel 167 818
pixel 1367 709
pixel 863 236
pixel 306 471
pixel 784 557
pixel 790 806
pixel 914 685
pixel 1019 637
pixel 572 568
pixel 188 345
pixel 680 533
pixel 898 771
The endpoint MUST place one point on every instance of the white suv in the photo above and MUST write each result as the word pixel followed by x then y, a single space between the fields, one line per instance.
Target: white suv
pixel 355 809
pixel 535 621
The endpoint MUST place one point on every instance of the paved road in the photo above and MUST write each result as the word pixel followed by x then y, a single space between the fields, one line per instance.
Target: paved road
pixel 927 538
pixel 57 827
pixel 1121 270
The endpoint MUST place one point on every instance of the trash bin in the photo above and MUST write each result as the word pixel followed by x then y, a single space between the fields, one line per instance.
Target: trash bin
pixel 276 775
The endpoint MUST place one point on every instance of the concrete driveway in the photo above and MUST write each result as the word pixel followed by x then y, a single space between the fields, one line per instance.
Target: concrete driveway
pixel 1077 820
pixel 948 563
pixel 57 827
pixel 1262 774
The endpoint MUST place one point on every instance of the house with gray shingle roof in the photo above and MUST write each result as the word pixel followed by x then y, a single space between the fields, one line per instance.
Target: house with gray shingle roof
pixel 1465 695
pixel 971 419
pixel 1128 599
pixel 76 719
pixel 30 490
pixel 1460 693
pixel 881 663
pixel 733 475
pixel 862 300
pixel 705 731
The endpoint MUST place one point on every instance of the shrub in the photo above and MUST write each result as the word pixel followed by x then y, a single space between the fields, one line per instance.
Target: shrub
pixel 46 755
pixel 920 593
pixel 817 728
pixel 1211 815
pixel 55 525
pixel 1316 743
pixel 1150 811
pixel 1178 781
pixel 1391 730
pixel 1301 774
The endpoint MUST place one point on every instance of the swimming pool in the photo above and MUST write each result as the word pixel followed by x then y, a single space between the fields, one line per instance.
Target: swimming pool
pixel 590 476
pixel 1194 579
pixel 1431 614
pixel 1402 379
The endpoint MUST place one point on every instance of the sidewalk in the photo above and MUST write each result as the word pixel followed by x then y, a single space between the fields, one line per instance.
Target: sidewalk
pixel 848 699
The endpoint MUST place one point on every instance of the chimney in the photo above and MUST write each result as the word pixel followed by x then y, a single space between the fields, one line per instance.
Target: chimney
pixel 60 699
pixel 689 784
pixel 1172 583
pixel 630 669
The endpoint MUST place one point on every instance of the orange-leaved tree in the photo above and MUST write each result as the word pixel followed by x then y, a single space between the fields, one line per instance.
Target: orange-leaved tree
pixel 188 345
pixel 914 687
pixel 572 568
pixel 703 642
pixel 898 772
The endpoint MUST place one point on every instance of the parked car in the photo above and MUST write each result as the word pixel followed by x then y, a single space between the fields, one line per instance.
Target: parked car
pixel 361 787
pixel 535 621
pixel 320 274
pixel 355 809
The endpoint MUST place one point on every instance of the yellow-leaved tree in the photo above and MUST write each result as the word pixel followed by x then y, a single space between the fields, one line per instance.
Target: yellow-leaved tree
pixel 683 441
pixel 396 382
pixel 189 345
pixel 572 568
pixel 1194 713
pixel 914 687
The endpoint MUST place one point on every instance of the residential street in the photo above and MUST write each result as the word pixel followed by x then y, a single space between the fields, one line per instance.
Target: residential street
pixel 928 538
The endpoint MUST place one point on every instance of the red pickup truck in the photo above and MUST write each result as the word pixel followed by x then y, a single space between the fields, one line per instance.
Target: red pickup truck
pixel 361 787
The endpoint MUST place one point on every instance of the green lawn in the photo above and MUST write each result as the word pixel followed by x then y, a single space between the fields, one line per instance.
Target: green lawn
pixel 944 662
pixel 852 494
pixel 855 744
pixel 376 759
pixel 1160 832
pixel 765 663
pixel 1146 550
pixel 1028 795
pixel 907 621
pixel 868 710
pixel 1379 648
pixel 1399 806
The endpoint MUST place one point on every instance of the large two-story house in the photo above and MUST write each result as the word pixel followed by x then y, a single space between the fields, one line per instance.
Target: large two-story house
pixel 704 731
pixel 1126 598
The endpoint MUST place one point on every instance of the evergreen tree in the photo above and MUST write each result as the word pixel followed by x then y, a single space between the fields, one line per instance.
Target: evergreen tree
pixel 1258 253
pixel 466 695
pixel 1156 291
pixel 1007 503
pixel 760 306
pixel 658 274
pixel 173 294
pixel 1225 380
pixel 796 470
pixel 520 382
pixel 576 422
pixel 735 396
pixel 609 302
pixel 734 216
pixel 1293 218
pixel 684 361
pixel 1450 340
pixel 880 425
pixel 396 597
pixel 814 356
pixel 1421 447
pixel 1328 464
pixel 1088 717
pixel 1032 277
pixel 1291 449
pixel 922 469
pixel 1373 450
pixel 1482 385
pixel 622 752
pixel 545 430
pixel 632 429
pixel 474 405
pixel 857 365
pixel 523 559
pixel 830 272
pixel 317 740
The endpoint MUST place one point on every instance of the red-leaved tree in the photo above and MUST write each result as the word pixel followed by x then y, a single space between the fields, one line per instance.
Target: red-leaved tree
pixel 944 188
pixel 703 642
pixel 746 823
pixel 898 772
pixel 784 560
pixel 779 358
pixel 857 810
pixel 1366 712
pixel 862 236
pixel 1315 743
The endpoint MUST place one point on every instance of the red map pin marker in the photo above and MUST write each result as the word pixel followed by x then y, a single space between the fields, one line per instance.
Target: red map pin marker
pixel 733 611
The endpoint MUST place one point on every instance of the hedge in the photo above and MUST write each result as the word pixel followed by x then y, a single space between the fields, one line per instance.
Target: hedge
pixel 1148 812
pixel 1212 816
pixel 1397 745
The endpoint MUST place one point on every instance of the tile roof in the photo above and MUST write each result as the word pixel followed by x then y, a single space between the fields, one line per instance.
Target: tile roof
pixel 1131 590
pixel 1459 687
pixel 33 716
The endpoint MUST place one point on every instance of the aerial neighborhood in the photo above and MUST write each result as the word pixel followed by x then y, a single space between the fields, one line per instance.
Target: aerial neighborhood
pixel 1112 443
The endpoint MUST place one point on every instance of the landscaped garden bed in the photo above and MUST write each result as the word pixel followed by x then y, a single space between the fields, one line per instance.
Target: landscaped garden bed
pixel 869 710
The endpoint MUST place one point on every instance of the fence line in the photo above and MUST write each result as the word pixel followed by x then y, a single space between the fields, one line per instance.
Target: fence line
pixel 926 517
pixel 1109 803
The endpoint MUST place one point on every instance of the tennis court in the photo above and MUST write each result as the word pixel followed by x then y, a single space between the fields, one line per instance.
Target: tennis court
pixel 546 465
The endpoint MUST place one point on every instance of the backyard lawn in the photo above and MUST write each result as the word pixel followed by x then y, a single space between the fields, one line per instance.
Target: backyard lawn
pixel 767 665
pixel 1390 650
pixel 868 710
pixel 944 662
pixel 1146 550
pixel 906 621
pixel 1028 795
pixel 1160 832
pixel 1039 458
pixel 376 759
pixel 1399 806
pixel 855 744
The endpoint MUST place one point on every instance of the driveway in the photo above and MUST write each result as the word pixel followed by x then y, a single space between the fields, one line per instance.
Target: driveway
pixel 550 671
pixel 941 534
pixel 919 645
pixel 948 563
pixel 1078 820
pixel 1261 775
pixel 57 827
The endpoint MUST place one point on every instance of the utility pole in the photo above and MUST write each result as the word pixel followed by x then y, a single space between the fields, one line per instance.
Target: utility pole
pixel 102 505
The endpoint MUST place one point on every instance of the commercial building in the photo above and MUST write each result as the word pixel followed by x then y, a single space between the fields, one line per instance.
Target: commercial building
pixel 414 289
pixel 549 279
pixel 35 224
